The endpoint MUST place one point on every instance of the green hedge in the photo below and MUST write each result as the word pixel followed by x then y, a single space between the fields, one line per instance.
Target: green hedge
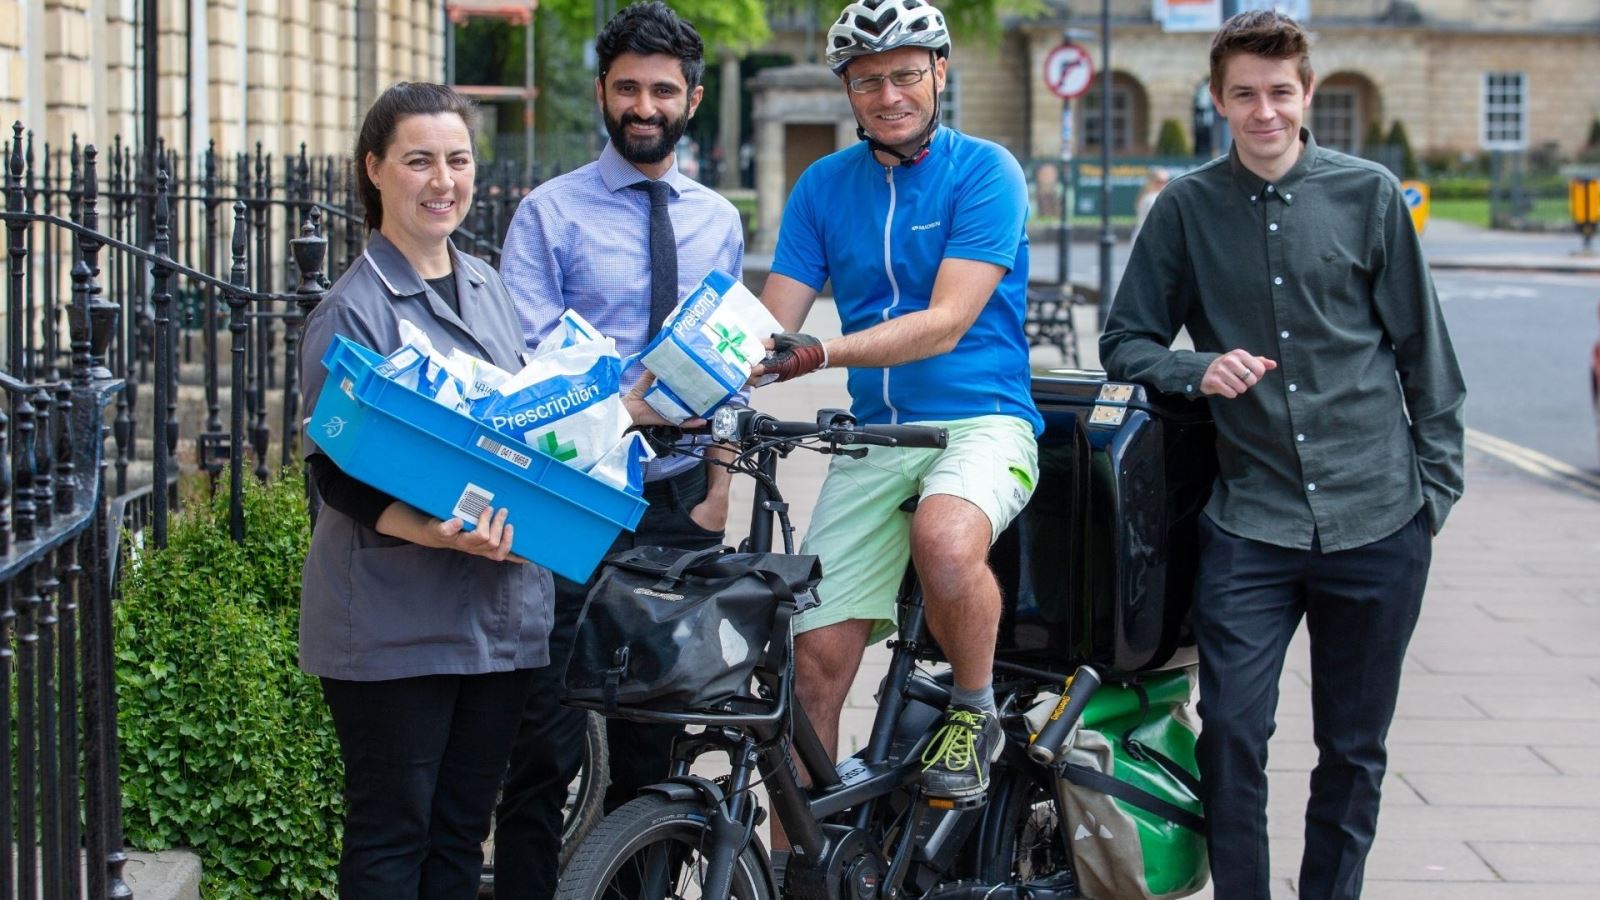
pixel 226 746
pixel 1477 188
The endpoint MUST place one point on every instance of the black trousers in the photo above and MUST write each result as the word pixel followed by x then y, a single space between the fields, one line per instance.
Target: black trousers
pixel 1360 607
pixel 549 743
pixel 423 758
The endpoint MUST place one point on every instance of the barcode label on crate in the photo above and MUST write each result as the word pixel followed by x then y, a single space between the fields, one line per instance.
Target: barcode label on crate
pixel 516 458
pixel 474 500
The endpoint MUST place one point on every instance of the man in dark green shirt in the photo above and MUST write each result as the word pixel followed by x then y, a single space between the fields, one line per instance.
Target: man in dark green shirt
pixel 1319 341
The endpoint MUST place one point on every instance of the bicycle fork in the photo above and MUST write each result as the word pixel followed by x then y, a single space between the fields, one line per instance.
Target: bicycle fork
pixel 731 813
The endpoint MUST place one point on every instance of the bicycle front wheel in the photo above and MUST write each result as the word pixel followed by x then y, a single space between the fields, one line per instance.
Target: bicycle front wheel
pixel 652 848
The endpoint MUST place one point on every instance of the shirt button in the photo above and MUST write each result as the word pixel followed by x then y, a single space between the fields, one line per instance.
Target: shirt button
pixel 1293 388
pixel 1288 196
pixel 1300 437
pixel 1270 188
pixel 1273 227
pixel 1312 486
pixel 1284 335
pixel 1188 388
pixel 1278 280
pixel 1252 198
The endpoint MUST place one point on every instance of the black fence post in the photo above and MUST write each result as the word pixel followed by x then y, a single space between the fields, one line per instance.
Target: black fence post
pixel 17 246
pixel 160 275
pixel 310 249
pixel 237 303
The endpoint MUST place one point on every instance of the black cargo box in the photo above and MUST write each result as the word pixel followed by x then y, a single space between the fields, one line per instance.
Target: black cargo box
pixel 1099 567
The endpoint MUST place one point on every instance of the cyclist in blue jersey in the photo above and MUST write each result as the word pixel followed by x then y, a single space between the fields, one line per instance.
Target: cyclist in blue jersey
pixel 921 231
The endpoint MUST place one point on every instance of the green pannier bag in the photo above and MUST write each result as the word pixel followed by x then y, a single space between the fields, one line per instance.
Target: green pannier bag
pixel 1130 793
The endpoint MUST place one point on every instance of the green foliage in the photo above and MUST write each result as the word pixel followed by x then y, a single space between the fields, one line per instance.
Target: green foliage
pixel 725 25
pixel 226 746
pixel 1477 187
pixel 1398 138
pixel 971 21
pixel 1374 135
pixel 1591 151
pixel 1172 141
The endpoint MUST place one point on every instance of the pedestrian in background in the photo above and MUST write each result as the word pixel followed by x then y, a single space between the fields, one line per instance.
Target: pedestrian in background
pixel 618 241
pixel 1155 178
pixel 424 634
pixel 1320 344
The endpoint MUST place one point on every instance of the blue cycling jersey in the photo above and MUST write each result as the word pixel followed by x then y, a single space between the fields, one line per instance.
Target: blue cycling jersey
pixel 880 233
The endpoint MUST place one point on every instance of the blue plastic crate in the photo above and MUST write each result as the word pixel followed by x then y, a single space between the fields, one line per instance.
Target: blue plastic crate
pixel 446 463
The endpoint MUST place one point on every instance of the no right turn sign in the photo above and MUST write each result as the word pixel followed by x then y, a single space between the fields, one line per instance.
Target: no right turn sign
pixel 1067 71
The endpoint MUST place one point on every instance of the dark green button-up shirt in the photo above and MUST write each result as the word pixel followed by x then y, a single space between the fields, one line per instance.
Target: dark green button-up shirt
pixel 1321 272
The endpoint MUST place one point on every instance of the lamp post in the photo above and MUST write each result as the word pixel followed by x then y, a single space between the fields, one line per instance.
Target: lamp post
pixel 1106 239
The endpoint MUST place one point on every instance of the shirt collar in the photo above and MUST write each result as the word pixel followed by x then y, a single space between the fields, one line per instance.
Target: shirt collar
pixel 397 273
pixel 617 174
pixel 1255 187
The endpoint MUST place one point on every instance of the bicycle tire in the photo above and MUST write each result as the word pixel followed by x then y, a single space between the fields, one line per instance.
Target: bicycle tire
pixel 586 796
pixel 585 806
pixel 611 852
pixel 1020 838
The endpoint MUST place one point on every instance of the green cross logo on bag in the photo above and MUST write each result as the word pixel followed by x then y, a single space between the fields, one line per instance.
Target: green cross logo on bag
pixel 552 446
pixel 729 341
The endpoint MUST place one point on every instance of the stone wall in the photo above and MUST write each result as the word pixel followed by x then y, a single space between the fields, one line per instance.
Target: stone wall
pixel 236 72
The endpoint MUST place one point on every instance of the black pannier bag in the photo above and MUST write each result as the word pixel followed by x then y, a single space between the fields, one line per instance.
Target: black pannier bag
pixel 684 630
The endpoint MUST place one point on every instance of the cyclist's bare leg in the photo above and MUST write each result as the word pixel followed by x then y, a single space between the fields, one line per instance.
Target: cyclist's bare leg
pixel 825 664
pixel 950 540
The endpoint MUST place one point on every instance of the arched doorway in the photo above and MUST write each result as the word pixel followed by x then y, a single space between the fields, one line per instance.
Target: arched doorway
pixel 1130 116
pixel 1344 106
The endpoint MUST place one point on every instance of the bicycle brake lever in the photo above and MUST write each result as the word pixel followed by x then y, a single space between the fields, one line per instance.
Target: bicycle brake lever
pixel 852 452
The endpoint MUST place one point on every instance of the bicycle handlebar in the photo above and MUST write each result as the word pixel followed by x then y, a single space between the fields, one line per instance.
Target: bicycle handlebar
pixel 834 427
pixel 744 425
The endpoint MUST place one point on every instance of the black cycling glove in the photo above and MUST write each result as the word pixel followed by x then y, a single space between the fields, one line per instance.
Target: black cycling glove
pixel 794 354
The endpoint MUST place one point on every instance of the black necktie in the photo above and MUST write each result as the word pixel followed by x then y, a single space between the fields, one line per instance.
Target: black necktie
pixel 663 256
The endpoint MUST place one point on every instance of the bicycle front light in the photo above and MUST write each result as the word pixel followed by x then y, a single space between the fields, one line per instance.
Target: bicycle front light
pixel 725 423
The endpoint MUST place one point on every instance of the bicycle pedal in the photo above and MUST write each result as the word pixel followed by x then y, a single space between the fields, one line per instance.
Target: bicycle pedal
pixel 957 804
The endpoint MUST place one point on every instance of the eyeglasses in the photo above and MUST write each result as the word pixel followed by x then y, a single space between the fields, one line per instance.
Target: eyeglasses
pixel 871 84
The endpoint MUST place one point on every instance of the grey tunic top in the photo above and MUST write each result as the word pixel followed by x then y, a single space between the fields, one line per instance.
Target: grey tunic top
pixel 374 607
pixel 1360 425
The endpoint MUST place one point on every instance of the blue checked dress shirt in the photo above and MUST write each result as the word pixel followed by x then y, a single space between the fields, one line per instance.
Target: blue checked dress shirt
pixel 581 241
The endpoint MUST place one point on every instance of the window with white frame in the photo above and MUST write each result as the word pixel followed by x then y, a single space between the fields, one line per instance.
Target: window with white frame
pixel 950 100
pixel 1121 118
pixel 1336 119
pixel 1505 111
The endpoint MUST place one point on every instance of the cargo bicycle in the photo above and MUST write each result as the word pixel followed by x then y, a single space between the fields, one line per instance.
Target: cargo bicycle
pixel 861 828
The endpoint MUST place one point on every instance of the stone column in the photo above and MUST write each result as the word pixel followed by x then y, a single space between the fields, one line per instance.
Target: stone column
pixel 730 124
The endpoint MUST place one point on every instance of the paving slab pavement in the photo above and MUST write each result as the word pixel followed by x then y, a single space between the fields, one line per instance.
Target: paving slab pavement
pixel 1494 784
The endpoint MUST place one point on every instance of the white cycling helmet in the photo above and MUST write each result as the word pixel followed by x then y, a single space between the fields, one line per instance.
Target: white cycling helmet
pixel 876 26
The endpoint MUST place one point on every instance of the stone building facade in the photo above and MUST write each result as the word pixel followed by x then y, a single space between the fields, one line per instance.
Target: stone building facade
pixel 237 72
pixel 1463 76
pixel 1451 70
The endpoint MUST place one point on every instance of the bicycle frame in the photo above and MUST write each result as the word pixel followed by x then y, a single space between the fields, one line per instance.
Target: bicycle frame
pixel 773 740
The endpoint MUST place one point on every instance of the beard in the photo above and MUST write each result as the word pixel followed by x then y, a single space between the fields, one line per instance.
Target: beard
pixel 645 151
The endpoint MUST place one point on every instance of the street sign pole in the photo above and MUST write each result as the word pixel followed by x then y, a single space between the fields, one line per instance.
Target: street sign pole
pixel 1067 72
pixel 1064 225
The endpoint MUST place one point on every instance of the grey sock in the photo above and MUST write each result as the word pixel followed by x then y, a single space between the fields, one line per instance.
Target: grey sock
pixel 981 699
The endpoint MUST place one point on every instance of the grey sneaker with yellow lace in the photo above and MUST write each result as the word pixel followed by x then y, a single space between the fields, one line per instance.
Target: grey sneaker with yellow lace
pixel 955 765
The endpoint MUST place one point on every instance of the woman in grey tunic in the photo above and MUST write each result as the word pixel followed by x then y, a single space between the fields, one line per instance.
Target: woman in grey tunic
pixel 423 632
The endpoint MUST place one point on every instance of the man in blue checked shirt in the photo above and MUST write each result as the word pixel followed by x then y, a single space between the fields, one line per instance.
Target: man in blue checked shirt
pixel 594 241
